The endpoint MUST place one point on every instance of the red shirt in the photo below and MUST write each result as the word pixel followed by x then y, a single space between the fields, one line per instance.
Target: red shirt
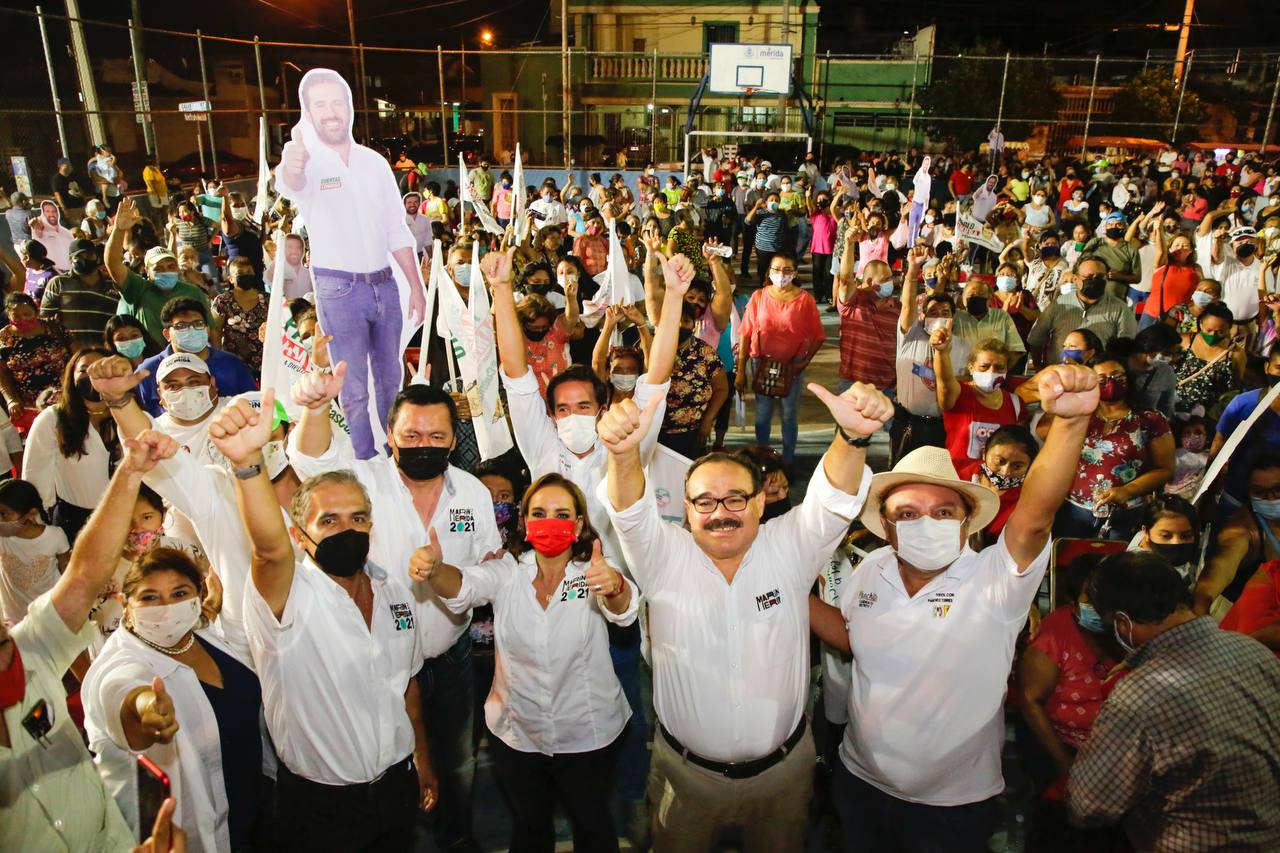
pixel 869 339
pixel 1258 605
pixel 550 355
pixel 969 423
pixel 971 470
pixel 784 330
pixel 592 251
pixel 961 182
pixel 1082 686
pixel 1170 285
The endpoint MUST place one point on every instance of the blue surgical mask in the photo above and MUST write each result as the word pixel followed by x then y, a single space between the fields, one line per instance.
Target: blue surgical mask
pixel 166 280
pixel 131 348
pixel 1089 619
pixel 1006 283
pixel 462 275
pixel 886 289
pixel 1073 356
pixel 101 214
pixel 189 340
pixel 1269 510
pixel 931 283
pixel 1201 299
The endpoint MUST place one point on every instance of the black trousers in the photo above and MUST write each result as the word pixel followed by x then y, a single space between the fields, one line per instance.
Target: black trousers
pixel 581 783
pixel 872 820
pixel 748 231
pixel 821 277
pixel 911 431
pixel 378 816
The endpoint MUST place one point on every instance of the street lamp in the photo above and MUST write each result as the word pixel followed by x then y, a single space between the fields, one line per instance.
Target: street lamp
pixel 486 38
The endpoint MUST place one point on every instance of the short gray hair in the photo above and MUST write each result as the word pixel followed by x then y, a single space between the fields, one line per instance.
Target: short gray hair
pixel 300 507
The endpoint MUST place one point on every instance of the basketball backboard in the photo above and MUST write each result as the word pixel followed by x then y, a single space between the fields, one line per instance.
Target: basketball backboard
pixel 737 68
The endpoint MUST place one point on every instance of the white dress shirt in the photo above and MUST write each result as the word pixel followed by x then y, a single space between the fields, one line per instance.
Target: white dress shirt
pixel 554 689
pixel 553 213
pixel 1239 284
pixel 28 569
pixel 333 687
pixel 544 452
pixel 463 521
pixel 836 672
pixel 731 660
pixel 420 227
pixel 57 243
pixel 79 480
pixel 192 761
pixel 297 280
pixel 354 213
pixel 926 707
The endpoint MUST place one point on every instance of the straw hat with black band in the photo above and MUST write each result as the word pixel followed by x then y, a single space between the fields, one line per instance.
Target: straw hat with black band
pixel 931 466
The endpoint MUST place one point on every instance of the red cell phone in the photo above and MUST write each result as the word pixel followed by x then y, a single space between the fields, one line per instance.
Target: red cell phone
pixel 153 790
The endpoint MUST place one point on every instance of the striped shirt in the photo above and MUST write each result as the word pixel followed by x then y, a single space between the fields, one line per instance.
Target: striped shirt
pixel 82 309
pixel 771 232
pixel 195 234
pixel 868 339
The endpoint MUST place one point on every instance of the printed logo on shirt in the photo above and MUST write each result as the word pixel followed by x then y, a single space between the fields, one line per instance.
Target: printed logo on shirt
pixel 462 521
pixel 403 616
pixel 334 183
pixel 941 603
pixel 867 599
pixel 574 588
pixel 979 432
pixel 940 611
pixel 765 600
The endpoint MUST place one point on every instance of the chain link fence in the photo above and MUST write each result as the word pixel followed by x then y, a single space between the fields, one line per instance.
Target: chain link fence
pixel 71 87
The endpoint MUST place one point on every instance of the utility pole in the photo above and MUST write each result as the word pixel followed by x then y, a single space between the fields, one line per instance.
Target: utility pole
pixel 88 88
pixel 53 84
pixel 140 75
pixel 564 77
pixel 786 39
pixel 1184 34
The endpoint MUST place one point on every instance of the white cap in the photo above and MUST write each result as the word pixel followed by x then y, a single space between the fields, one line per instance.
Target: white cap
pixel 181 361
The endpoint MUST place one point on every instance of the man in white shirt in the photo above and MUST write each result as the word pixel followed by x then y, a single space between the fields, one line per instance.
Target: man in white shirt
pixel 48 230
pixel 931 626
pixel 356 225
pixel 728 625
pixel 335 645
pixel 413 490
pixel 419 224
pixel 995 145
pixel 189 395
pixel 297 278
pixel 1236 269
pixel 547 207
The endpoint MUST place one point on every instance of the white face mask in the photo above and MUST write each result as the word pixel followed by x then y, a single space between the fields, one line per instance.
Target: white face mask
pixel 462 275
pixel 781 279
pixel 188 404
pixel 273 454
pixel 623 381
pixel 240 212
pixel 577 432
pixel 166 624
pixel 928 543
pixel 933 324
pixel 987 380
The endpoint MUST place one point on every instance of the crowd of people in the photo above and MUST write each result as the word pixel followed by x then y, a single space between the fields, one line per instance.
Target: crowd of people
pixel 1075 537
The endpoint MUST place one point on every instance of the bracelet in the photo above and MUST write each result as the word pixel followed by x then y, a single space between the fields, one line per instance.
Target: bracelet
pixel 120 402
pixel 864 441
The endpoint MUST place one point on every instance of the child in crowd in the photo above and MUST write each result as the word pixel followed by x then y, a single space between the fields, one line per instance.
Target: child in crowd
pixel 1191 457
pixel 33 552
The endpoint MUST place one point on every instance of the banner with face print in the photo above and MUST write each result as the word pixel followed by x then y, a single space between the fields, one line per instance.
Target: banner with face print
pixel 368 287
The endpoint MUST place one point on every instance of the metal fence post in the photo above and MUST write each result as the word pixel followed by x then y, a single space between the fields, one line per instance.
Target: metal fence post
pixel 568 109
pixel 911 108
pixel 53 85
pixel 564 78
pixel 84 71
pixel 444 120
pixel 1271 111
pixel 257 60
pixel 204 83
pixel 1088 113
pixel 364 91
pixel 1182 91
pixel 1004 82
pixel 653 111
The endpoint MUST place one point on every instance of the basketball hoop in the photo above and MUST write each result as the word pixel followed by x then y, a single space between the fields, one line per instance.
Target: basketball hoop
pixel 748 92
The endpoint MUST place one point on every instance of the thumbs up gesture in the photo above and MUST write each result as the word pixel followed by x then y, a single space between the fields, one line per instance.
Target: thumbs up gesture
pixel 602 578
pixel 293 160
pixel 425 560
pixel 155 712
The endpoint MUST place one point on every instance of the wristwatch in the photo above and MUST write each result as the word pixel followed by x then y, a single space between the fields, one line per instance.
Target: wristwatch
pixel 247 473
pixel 863 442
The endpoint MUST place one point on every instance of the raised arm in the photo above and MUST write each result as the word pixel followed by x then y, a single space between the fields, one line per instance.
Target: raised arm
pixel 94 558
pixel 915 259
pixel 496 267
pixel 113 253
pixel 948 386
pixel 677 274
pixel 621 428
pixel 572 317
pixel 859 413
pixel 315 393
pixel 1069 392
pixel 240 432
pixel 600 352
pixel 721 306
pixel 115 379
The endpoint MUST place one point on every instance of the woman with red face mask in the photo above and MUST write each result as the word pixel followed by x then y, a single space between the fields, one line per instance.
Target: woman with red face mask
pixel 556 713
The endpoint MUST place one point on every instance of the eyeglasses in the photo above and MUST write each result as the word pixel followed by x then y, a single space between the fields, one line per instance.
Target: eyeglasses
pixel 734 503
pixel 198 325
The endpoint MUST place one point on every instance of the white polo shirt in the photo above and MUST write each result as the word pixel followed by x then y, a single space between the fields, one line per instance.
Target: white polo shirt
pixel 926 706
pixel 544 452
pixel 1239 284
pixel 332 687
pixel 554 689
pixel 463 521
pixel 731 660
pixel 553 213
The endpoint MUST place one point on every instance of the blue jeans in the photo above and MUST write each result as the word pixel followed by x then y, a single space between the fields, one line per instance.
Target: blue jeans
pixel 803 232
pixel 362 313
pixel 1146 320
pixel 633 763
pixel 790 418
pixel 447 686
pixel 873 820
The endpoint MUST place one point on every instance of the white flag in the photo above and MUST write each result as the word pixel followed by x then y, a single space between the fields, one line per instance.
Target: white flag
pixel 518 216
pixel 464 196
pixel 617 284
pixel 262 200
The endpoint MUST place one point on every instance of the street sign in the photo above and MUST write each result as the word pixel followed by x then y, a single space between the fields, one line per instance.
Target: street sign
pixel 194 107
pixel 196 116
pixel 141 101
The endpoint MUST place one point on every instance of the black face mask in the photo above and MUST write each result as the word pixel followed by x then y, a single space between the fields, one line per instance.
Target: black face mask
pixel 249 282
pixel 1115 233
pixel 693 311
pixel 1176 555
pixel 342 554
pixel 84 387
pixel 976 305
pixel 1093 286
pixel 84 266
pixel 423 463
pixel 536 335
pixel 1245 250
pixel 1051 250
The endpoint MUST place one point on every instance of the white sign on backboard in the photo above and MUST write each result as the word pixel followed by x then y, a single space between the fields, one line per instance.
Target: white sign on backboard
pixel 760 67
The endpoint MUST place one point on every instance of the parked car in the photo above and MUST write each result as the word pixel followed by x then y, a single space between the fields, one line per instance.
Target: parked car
pixel 187 169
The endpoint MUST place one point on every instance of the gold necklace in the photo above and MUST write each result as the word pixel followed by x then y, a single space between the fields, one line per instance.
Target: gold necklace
pixel 172 651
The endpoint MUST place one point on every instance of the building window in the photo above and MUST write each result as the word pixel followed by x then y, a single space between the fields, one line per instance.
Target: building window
pixel 719 33
pixel 637 46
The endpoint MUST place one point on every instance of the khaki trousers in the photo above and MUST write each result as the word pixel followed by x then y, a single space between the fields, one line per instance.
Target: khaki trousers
pixel 691 806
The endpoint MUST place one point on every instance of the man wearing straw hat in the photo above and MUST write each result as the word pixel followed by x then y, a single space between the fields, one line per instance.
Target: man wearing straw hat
pixel 931 626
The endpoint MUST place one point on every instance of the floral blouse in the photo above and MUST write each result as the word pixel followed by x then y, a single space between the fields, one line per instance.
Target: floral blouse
pixel 1116 453
pixel 1181 314
pixel 35 363
pixel 689 244
pixel 240 329
pixel 1210 384
pixel 696 366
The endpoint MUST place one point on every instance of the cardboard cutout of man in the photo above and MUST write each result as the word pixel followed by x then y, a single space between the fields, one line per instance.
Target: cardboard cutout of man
pixel 363 258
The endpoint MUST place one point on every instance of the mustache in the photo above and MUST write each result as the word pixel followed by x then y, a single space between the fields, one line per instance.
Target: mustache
pixel 723 524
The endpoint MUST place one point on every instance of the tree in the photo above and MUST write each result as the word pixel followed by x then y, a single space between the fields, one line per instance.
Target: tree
pixel 1147 104
pixel 962 100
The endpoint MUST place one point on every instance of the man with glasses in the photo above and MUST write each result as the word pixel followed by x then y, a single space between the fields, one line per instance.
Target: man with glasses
pixel 728 625
pixel 931 626
pixel 186 328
